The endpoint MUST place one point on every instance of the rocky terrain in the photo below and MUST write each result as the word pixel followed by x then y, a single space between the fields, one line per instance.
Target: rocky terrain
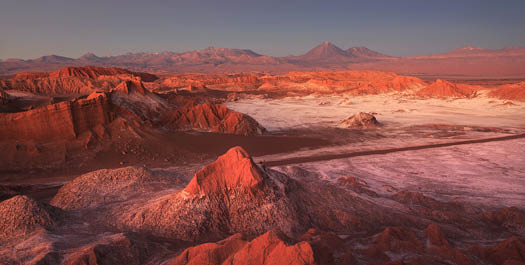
pixel 234 211
pixel 109 166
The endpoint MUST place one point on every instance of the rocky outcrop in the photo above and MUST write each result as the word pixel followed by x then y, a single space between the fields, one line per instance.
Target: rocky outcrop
pixel 435 237
pixel 445 89
pixel 509 92
pixel 56 122
pixel 94 72
pixel 508 251
pixel 212 117
pixel 129 86
pixel 4 97
pixel 266 249
pixel 113 249
pixel 359 120
pixel 72 80
pixel 348 82
pixel 233 170
pixel 101 187
pixel 512 219
pixel 21 216
pixel 229 196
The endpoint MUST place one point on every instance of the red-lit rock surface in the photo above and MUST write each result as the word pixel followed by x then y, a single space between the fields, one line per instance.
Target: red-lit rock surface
pixel 445 89
pixel 228 196
pixel 72 80
pixel 60 121
pixel 351 82
pixel 140 216
pixel 510 92
pixel 235 169
pixel 4 97
pixel 266 249
pixel 212 118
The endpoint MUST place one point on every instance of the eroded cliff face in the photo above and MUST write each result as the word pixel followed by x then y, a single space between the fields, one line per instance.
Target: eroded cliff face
pixel 57 122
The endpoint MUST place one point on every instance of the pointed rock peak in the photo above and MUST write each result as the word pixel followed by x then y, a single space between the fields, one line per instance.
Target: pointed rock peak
pixel 130 86
pixel 89 56
pixel 324 50
pixel 435 237
pixel 233 170
pixel 328 45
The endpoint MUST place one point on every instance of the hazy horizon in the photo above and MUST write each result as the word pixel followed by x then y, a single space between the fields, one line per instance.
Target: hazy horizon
pixel 403 28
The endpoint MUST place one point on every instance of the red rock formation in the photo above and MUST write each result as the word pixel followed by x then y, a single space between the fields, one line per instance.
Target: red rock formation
pixel 113 249
pixel 397 239
pixel 72 80
pixel 129 86
pixel 61 121
pixel 510 92
pixel 213 118
pixel 509 251
pixel 359 120
pixel 91 72
pixel 328 248
pixel 435 237
pixel 4 97
pixel 351 82
pixel 21 216
pixel 512 219
pixel 233 170
pixel 445 89
pixel 269 248
pixel 104 186
pixel 232 195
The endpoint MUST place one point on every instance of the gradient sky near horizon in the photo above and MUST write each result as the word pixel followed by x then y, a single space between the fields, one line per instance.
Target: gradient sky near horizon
pixel 32 28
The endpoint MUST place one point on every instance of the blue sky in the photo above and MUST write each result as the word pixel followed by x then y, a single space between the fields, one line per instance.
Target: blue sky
pixel 30 29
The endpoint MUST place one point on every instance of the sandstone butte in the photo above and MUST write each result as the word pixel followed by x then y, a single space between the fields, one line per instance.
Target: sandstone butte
pixel 510 92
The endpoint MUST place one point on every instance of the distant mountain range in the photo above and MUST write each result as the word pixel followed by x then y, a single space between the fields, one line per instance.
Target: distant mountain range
pixel 509 61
